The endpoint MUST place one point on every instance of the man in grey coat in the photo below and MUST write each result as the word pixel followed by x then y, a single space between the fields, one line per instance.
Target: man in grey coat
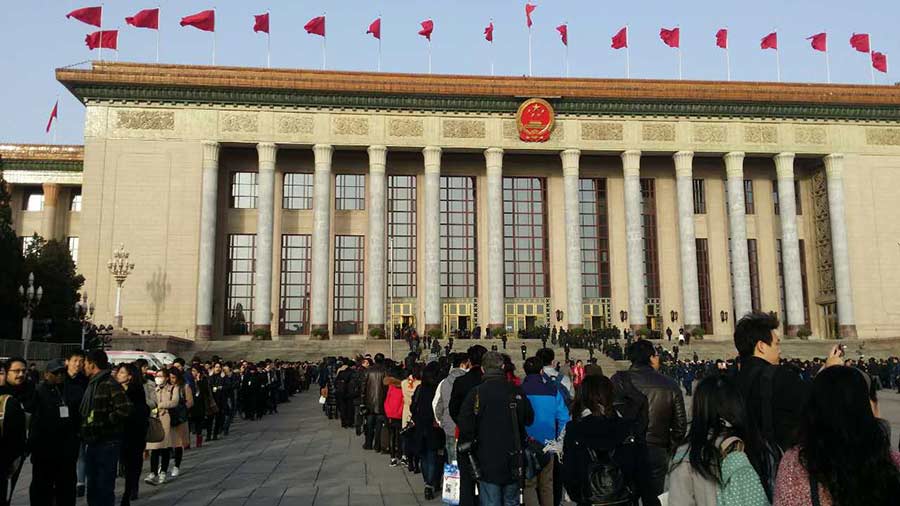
pixel 441 402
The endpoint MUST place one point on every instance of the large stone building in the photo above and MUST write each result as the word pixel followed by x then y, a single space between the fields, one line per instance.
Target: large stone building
pixel 293 200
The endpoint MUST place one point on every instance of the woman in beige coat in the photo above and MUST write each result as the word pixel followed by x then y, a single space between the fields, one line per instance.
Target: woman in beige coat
pixel 171 396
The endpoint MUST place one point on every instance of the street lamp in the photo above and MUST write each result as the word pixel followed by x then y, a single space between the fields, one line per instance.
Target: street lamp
pixel 623 315
pixel 30 300
pixel 84 312
pixel 120 267
pixel 559 315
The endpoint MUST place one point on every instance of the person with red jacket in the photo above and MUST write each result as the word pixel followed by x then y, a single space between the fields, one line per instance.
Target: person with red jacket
pixel 393 410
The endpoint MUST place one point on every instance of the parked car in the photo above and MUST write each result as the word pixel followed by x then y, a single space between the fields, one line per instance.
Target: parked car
pixel 122 357
pixel 165 357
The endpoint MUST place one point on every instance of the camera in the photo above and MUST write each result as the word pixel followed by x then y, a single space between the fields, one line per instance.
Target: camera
pixel 467 451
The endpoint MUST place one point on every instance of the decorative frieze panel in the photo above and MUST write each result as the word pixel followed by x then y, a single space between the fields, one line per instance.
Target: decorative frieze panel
pixel 238 122
pixel 509 129
pixel 883 136
pixel 464 129
pixel 810 135
pixel 760 134
pixel 658 132
pixel 399 127
pixel 822 223
pixel 710 134
pixel 140 119
pixel 350 125
pixel 295 124
pixel 602 131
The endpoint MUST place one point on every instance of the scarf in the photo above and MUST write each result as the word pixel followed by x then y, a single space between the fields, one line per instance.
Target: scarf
pixel 87 402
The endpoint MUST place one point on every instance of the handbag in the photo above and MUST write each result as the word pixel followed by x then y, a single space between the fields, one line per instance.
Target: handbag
pixel 179 414
pixel 155 431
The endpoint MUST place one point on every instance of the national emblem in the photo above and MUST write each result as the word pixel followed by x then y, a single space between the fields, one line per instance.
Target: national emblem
pixel 535 120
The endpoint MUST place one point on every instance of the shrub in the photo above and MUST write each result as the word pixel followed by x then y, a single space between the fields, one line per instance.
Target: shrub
pixel 436 334
pixel 804 333
pixel 698 333
pixel 376 333
pixel 262 334
pixel 643 332
pixel 498 333
pixel 319 334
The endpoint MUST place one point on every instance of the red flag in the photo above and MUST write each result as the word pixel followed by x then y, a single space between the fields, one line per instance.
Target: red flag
pixel 427 28
pixel 107 39
pixel 54 114
pixel 89 15
pixel 722 38
pixel 671 38
pixel 316 26
pixel 819 41
pixel 879 61
pixel 489 32
pixel 375 29
pixel 620 39
pixel 529 8
pixel 261 23
pixel 860 42
pixel 769 41
pixel 205 21
pixel 147 18
pixel 563 33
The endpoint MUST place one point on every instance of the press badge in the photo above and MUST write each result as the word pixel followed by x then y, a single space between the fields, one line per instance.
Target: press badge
pixel 64 411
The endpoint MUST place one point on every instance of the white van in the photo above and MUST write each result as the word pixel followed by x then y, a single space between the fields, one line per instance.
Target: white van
pixel 165 357
pixel 124 357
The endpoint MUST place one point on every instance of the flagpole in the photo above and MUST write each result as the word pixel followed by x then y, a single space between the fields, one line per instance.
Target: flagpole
pixel 268 43
pixel 627 55
pixel 566 24
pixel 324 42
pixel 871 62
pixel 158 14
pixel 680 73
pixel 827 67
pixel 429 56
pixel 777 57
pixel 530 65
pixel 727 63
pixel 214 39
pixel 380 20
pixel 100 54
pixel 492 48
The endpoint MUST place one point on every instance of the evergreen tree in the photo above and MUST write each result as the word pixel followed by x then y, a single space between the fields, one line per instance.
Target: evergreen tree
pixel 54 271
pixel 10 270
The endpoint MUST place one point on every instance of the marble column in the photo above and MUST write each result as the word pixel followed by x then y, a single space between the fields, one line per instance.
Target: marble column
pixel 375 257
pixel 432 199
pixel 496 315
pixel 737 226
pixel 571 163
pixel 321 238
pixel 634 242
pixel 834 168
pixel 265 212
pixel 51 209
pixel 690 287
pixel 207 262
pixel 790 245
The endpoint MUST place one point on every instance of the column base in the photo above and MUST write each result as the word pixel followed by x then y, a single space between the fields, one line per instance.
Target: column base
pixel 847 331
pixel 432 326
pixel 638 326
pixel 203 333
pixel 117 322
pixel 792 330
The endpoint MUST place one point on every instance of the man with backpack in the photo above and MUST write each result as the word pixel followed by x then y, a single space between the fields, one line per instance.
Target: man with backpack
pixel 550 417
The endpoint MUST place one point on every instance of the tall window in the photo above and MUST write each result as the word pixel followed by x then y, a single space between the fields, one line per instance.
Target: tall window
pixel 749 205
pixel 75 203
pixel 753 257
pixel 459 254
pixel 295 267
pixel 348 284
pixel 72 242
pixel 699 196
pixel 402 233
pixel 298 191
pixel 524 237
pixel 651 263
pixel 350 192
pixel 703 285
pixel 797 199
pixel 33 199
pixel 775 198
pixel 803 281
pixel 797 196
pixel 595 278
pixel 243 190
pixel 240 271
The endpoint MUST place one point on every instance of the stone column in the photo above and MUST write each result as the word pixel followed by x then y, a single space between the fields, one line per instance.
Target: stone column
pixel 790 245
pixel 690 287
pixel 375 257
pixel 207 261
pixel 834 168
pixel 496 315
pixel 432 199
pixel 51 207
pixel 737 226
pixel 570 164
pixel 634 243
pixel 265 212
pixel 321 238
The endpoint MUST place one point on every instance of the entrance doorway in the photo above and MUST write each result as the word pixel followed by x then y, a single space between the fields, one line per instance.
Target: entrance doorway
pixel 830 329
pixel 459 317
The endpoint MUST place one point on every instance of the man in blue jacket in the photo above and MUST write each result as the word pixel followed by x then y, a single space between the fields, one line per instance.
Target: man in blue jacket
pixel 550 417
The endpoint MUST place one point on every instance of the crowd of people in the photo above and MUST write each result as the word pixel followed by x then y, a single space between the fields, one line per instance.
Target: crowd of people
pixel 87 422
pixel 762 430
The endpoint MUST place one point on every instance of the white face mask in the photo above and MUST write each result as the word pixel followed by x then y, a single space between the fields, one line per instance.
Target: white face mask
pixel 160 381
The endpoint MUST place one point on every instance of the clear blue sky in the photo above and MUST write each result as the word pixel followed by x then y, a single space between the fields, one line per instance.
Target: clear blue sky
pixel 37 38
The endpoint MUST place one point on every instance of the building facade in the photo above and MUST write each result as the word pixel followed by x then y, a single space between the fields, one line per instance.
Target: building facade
pixel 296 200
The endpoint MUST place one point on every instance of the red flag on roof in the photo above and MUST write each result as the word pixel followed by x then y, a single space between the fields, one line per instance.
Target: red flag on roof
pixel 620 39
pixel 54 114
pixel 563 33
pixel 427 28
pixel 261 23
pixel 89 15
pixel 879 61
pixel 147 18
pixel 819 41
pixel 860 42
pixel 529 8
pixel 205 21
pixel 316 26
pixel 489 32
pixel 722 38
pixel 375 29
pixel 671 38
pixel 769 41
pixel 107 39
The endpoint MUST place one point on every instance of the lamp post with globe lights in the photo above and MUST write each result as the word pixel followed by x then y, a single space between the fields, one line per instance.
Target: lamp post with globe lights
pixel 120 267
pixel 85 313
pixel 30 300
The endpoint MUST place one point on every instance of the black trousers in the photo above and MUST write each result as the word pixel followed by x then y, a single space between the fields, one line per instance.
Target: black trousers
pixel 467 495
pixel 133 459
pixel 345 410
pixel 657 466
pixel 374 424
pixel 52 479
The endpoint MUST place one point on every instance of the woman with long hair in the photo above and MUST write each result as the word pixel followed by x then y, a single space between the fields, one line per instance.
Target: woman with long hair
pixel 135 438
pixel 844 455
pixel 427 437
pixel 723 455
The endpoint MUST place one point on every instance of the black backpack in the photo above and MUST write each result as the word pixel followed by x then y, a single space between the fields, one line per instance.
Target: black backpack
pixel 602 481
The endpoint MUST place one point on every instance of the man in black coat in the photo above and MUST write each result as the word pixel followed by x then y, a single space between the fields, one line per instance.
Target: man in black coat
pixel 372 395
pixel 486 418
pixel 461 388
pixel 12 437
